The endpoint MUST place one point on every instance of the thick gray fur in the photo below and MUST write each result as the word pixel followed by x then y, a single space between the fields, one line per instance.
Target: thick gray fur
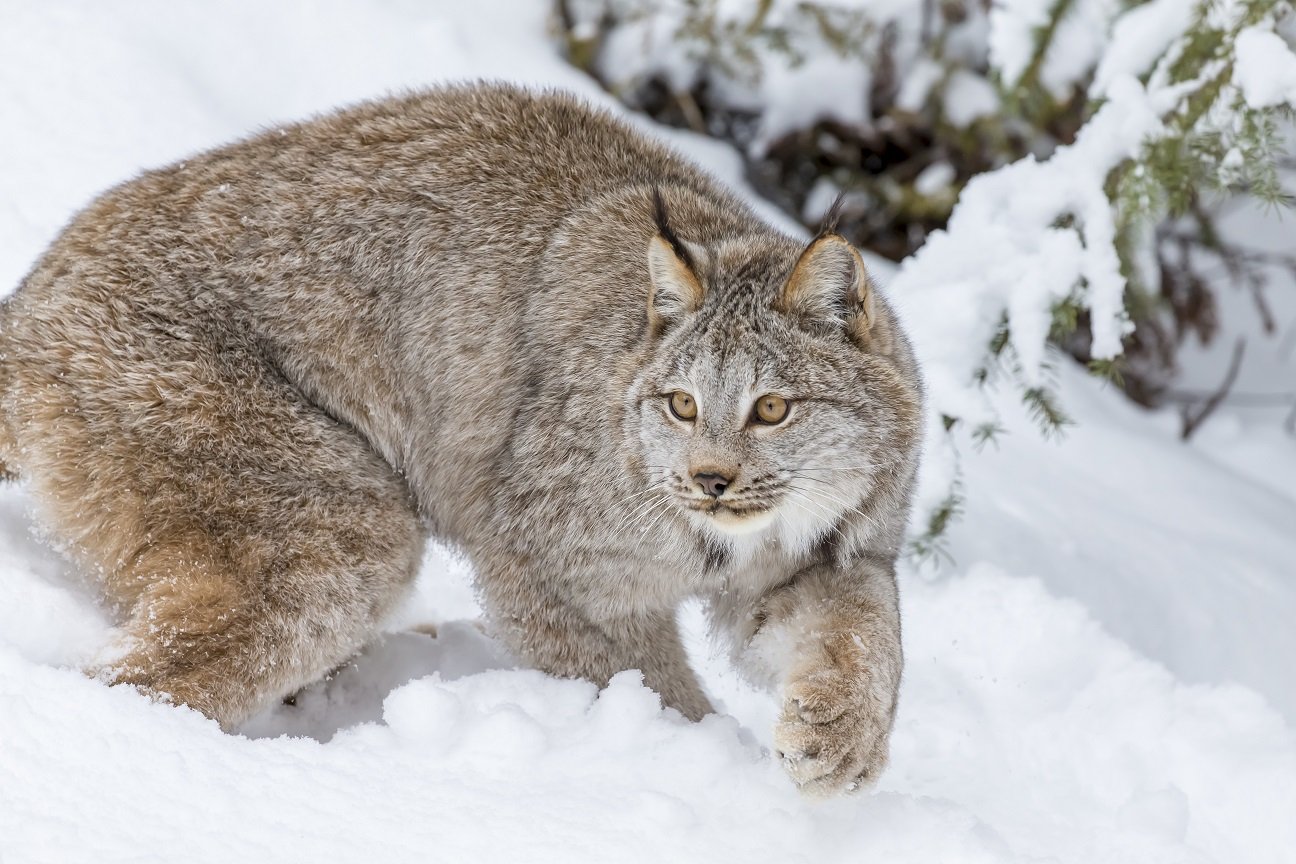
pixel 245 387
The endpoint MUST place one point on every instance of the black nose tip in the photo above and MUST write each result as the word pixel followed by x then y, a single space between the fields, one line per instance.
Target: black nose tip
pixel 712 484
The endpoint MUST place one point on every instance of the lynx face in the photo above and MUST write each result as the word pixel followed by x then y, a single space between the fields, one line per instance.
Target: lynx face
pixel 768 404
pixel 738 469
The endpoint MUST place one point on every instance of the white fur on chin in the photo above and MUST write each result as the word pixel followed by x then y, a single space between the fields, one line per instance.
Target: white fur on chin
pixel 740 525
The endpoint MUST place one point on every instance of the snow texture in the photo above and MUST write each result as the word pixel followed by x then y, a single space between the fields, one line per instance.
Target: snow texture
pixel 789 88
pixel 1265 70
pixel 968 98
pixel 1139 38
pixel 1103 677
pixel 1021 239
pixel 794 96
pixel 1079 40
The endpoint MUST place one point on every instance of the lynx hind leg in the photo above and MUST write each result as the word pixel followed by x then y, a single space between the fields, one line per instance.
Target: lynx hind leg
pixel 253 542
pixel 226 639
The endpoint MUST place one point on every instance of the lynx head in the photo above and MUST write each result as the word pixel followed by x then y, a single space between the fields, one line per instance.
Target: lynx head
pixel 777 391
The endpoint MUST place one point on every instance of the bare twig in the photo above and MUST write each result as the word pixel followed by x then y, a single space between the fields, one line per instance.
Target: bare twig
pixel 1191 420
pixel 1288 343
pixel 1241 253
pixel 1191 397
pixel 692 112
pixel 928 22
pixel 565 16
pixel 1186 398
pixel 758 20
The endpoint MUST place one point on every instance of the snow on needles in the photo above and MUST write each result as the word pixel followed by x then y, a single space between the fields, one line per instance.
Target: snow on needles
pixel 1006 247
pixel 1265 69
pixel 1079 42
pixel 1021 239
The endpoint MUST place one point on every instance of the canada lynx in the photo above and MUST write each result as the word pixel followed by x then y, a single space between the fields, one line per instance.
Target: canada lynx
pixel 243 389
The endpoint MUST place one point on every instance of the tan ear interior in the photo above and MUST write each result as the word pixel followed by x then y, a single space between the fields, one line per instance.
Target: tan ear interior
pixel 829 275
pixel 830 281
pixel 862 290
pixel 676 289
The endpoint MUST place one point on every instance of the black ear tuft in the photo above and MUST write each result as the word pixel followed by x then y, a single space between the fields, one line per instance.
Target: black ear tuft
pixel 828 225
pixel 667 233
pixel 676 290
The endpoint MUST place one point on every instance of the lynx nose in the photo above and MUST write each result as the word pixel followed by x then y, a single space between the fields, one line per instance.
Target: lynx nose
pixel 712 483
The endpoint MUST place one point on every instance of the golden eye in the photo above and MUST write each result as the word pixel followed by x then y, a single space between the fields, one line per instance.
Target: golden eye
pixel 682 405
pixel 770 409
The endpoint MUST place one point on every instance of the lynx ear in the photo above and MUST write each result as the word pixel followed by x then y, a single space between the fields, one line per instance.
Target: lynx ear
pixel 829 284
pixel 676 289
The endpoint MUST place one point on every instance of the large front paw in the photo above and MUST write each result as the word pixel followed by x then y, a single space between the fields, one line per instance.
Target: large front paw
pixel 833 732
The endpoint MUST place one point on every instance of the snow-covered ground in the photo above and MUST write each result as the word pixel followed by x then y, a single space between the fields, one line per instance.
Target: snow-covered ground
pixel 1103 675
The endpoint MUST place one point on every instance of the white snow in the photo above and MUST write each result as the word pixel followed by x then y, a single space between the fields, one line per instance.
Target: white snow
pixel 1011 38
pixel 1138 38
pixel 917 84
pixel 1008 249
pixel 823 87
pixel 968 98
pixel 820 198
pixel 1102 676
pixel 790 87
pixel 1079 40
pixel 1265 69
pixel 934 179
pixel 648 44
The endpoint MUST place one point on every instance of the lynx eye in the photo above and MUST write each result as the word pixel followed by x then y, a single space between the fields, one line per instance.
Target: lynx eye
pixel 682 405
pixel 770 410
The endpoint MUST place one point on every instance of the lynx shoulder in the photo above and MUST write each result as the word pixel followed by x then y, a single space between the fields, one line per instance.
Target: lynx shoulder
pixel 246 387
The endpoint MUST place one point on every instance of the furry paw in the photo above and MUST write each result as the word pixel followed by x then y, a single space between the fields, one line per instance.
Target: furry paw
pixel 833 732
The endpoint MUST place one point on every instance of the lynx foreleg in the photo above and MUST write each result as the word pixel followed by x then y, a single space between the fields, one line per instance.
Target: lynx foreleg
pixel 561 638
pixel 831 638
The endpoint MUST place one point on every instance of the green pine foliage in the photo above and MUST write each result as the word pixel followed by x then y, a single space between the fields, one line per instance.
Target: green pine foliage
pixel 1212 147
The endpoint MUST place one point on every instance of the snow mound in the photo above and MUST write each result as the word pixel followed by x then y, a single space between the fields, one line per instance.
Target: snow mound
pixel 1024 731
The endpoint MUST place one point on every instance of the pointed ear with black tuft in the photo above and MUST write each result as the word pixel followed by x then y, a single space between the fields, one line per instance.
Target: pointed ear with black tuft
pixel 676 290
pixel 830 286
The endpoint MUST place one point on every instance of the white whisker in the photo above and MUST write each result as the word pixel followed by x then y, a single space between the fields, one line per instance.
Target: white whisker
pixel 653 488
pixel 832 497
pixel 664 510
pixel 814 514
pixel 643 509
pixel 832 468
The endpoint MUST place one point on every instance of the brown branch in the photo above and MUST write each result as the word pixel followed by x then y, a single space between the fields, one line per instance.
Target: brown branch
pixel 692 112
pixel 1241 253
pixel 1191 397
pixel 1288 343
pixel 1188 397
pixel 1192 421
pixel 928 23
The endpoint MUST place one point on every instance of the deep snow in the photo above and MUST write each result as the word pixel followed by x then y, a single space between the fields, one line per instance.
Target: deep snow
pixel 1102 675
